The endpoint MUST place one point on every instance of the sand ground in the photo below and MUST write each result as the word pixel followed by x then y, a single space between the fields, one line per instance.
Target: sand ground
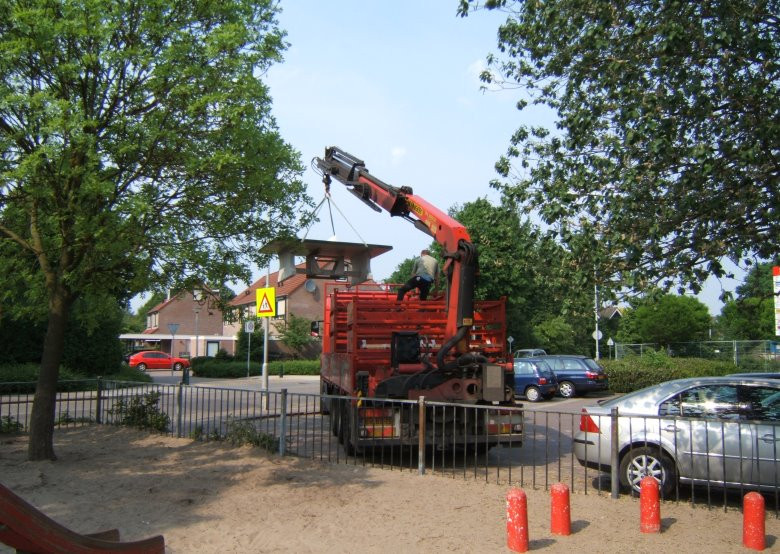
pixel 211 497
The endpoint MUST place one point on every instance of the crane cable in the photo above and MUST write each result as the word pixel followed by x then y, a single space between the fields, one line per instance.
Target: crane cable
pixel 329 199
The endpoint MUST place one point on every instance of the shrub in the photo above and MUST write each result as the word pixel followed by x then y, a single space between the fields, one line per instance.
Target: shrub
pixel 634 372
pixel 9 425
pixel 141 412
pixel 219 369
pixel 22 378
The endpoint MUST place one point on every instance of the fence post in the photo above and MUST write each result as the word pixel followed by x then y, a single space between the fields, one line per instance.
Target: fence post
pixel 421 435
pixel 99 402
pixel 283 424
pixel 613 455
pixel 179 410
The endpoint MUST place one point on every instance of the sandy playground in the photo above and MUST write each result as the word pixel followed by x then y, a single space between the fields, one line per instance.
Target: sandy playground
pixel 210 497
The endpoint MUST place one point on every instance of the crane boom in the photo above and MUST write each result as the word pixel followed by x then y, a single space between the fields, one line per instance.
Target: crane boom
pixel 460 254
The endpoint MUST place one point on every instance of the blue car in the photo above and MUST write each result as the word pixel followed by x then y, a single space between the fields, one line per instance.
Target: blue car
pixel 577 374
pixel 534 379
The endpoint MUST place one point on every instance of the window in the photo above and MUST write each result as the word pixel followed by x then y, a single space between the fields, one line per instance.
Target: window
pixel 281 307
pixel 523 368
pixel 212 347
pixel 763 403
pixel 711 401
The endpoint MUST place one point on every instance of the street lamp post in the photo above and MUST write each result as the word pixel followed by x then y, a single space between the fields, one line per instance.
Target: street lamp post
pixel 173 327
pixel 196 311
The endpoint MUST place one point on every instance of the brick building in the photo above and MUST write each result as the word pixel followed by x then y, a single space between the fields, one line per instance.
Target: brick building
pixel 187 324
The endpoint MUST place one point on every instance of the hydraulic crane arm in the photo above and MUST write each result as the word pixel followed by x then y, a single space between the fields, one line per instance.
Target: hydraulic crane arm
pixel 460 254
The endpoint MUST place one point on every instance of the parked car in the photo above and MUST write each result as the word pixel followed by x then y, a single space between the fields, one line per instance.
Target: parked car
pixel 152 359
pixel 529 353
pixel 723 431
pixel 577 374
pixel 534 379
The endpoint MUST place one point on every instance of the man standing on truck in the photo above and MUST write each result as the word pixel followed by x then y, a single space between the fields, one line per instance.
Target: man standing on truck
pixel 424 273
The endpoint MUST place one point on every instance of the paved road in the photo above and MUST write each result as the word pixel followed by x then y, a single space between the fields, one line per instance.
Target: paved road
pixel 310 384
pixel 300 384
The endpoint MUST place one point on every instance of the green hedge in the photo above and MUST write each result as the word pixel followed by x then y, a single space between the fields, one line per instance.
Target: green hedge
pixel 635 372
pixel 227 369
pixel 22 378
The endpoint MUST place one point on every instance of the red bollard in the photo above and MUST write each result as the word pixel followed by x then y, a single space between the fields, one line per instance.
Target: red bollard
pixel 649 506
pixel 753 531
pixel 517 521
pixel 560 510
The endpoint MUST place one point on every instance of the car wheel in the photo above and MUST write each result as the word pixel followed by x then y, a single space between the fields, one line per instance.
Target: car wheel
pixel 177 366
pixel 566 389
pixel 638 463
pixel 532 394
pixel 141 367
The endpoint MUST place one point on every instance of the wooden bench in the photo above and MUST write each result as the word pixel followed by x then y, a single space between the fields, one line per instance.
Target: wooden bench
pixel 28 530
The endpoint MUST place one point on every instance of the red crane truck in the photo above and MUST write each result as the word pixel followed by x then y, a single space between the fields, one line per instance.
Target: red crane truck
pixel 448 349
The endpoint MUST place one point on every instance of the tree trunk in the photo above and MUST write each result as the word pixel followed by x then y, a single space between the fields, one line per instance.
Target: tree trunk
pixel 41 445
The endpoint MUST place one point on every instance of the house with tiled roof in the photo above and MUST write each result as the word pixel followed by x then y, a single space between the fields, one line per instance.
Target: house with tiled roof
pixel 296 295
pixel 186 324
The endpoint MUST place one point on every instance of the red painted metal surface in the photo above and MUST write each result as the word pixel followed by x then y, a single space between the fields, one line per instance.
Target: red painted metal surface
pixel 27 529
pixel 360 321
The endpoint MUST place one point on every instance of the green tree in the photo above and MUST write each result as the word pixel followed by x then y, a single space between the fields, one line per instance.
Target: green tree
pixel 135 323
pixel 518 261
pixel 672 319
pixel 255 344
pixel 556 334
pixel 296 333
pixel 138 151
pixel 751 315
pixel 664 155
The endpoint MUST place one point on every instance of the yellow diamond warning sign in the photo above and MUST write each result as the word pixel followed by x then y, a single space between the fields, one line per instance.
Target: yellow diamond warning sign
pixel 266 302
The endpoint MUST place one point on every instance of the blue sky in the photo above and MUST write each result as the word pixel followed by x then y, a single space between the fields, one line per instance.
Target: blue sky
pixel 395 84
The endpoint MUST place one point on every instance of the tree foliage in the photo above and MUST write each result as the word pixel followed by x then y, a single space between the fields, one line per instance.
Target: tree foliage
pixel 665 153
pixel 138 150
pixel 751 316
pixel 664 320
pixel 518 261
pixel 296 333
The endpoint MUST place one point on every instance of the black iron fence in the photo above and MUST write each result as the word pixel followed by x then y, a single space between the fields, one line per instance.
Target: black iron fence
pixel 522 446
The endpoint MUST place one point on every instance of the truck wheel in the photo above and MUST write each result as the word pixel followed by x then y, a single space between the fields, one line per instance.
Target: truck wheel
pixel 324 402
pixel 345 429
pixel 335 417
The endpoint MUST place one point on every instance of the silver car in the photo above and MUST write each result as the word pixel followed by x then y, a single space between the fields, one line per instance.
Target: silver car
pixel 724 431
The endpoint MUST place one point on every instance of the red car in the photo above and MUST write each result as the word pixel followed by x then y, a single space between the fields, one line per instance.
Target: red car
pixel 153 359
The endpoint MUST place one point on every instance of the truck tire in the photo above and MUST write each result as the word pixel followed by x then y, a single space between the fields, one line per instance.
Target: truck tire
pixel 345 429
pixel 335 418
pixel 324 402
